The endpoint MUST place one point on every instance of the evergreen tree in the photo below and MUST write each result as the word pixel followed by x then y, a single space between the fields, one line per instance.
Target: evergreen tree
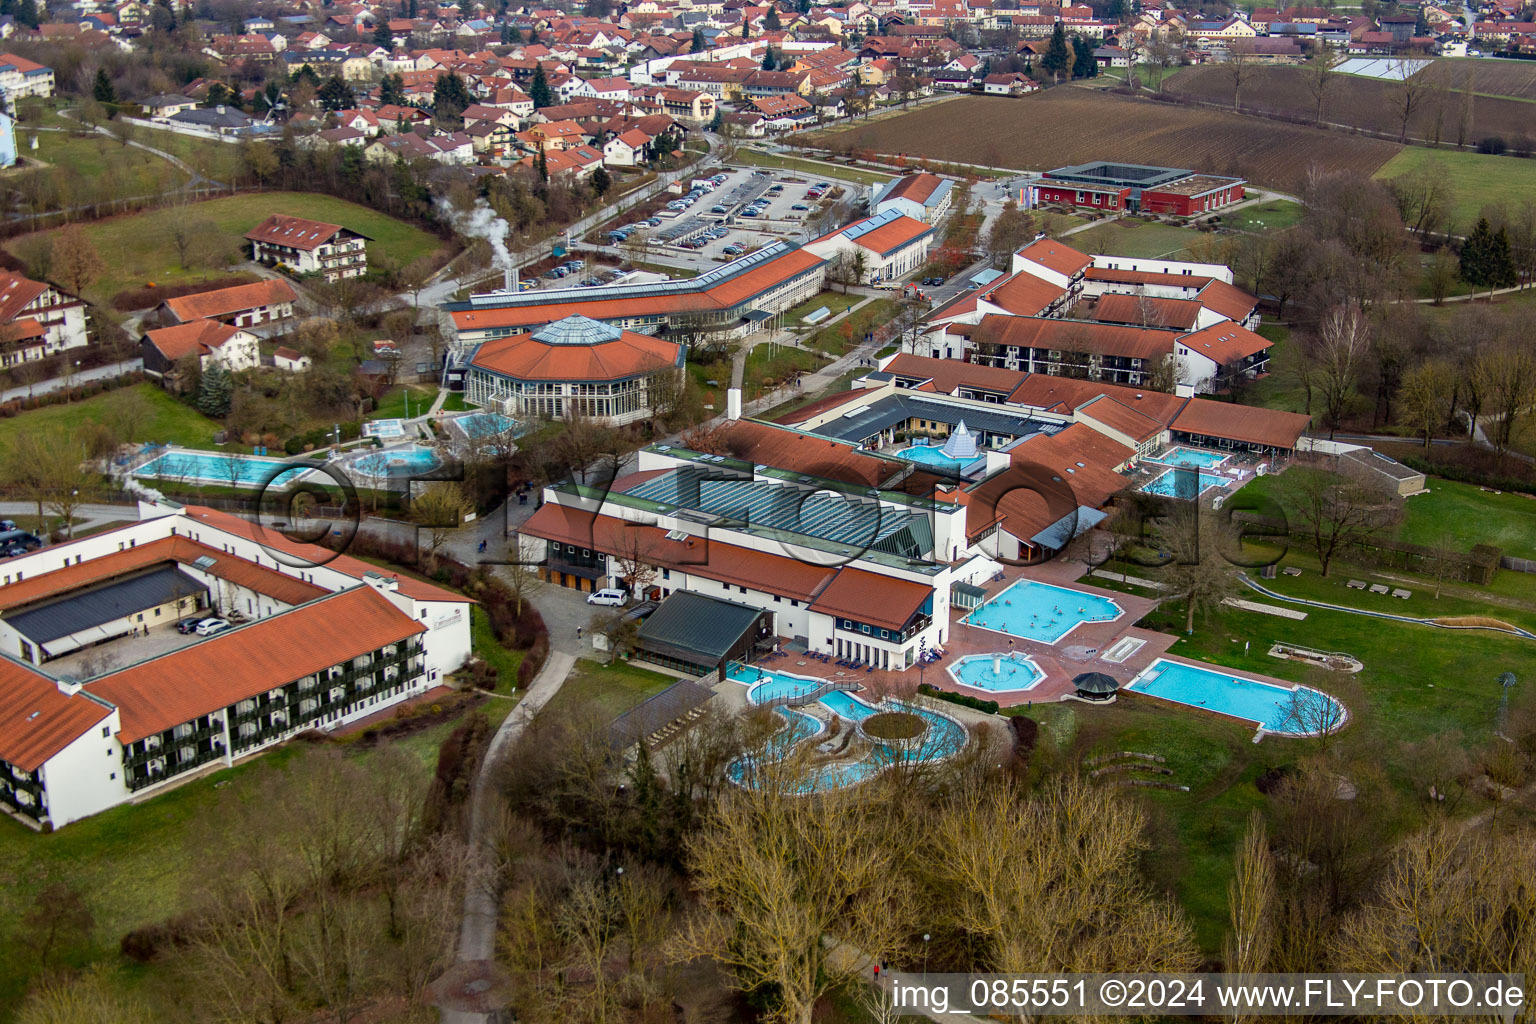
pixel 533 36
pixel 770 60
pixel 601 181
pixel 305 74
pixel 1486 259
pixel 102 91
pixel 1057 58
pixel 698 45
pixel 746 26
pixel 218 93
pixel 169 16
pixel 214 392
pixel 538 91
pixel 336 94
pixel 392 90
pixel 26 13
pixel 450 96
pixel 510 36
pixel 771 22
pixel 381 36
pixel 1421 24
pixel 1083 64
pixel 541 164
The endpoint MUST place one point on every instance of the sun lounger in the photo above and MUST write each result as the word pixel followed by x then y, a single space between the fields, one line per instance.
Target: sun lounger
pixel 1291 571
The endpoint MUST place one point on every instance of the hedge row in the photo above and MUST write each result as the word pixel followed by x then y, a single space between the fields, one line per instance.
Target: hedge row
pixel 300 443
pixel 1467 476
pixel 963 699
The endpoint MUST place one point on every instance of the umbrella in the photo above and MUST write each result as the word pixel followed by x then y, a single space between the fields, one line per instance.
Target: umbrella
pixel 1096 683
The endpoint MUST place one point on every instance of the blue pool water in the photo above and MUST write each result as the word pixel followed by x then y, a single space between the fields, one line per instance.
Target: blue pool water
pixel 944 735
pixel 1042 612
pixel 1269 705
pixel 1180 483
pixel 1193 458
pixel 1014 672
pixel 384 428
pixel 398 463
pixel 212 467
pixel 933 455
pixel 482 424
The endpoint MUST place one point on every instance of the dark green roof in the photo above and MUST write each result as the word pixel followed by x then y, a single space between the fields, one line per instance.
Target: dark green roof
pixel 694 622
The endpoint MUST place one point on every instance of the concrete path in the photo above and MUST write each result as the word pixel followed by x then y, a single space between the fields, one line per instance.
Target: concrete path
pixel 477 933
pixel 43 387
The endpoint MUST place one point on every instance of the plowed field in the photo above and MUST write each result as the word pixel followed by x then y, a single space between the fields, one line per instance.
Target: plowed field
pixel 1070 125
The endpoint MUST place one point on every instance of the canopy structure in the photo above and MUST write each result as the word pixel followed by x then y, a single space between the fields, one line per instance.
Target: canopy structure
pixel 961 444
pixel 1096 686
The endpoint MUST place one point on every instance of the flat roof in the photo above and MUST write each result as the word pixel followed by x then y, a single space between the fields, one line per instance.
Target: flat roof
pixel 1109 172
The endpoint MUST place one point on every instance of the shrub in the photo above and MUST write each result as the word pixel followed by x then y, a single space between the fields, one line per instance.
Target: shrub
pixel 1492 144
pixel 963 699
pixel 533 661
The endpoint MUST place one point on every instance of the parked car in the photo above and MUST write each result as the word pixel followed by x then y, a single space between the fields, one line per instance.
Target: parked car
pixel 186 626
pixel 208 627
pixel 609 598
pixel 7 525
pixel 799 206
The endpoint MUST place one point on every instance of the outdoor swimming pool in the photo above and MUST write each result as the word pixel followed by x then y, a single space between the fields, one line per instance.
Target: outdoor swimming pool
pixel 1010 673
pixel 943 736
pixel 1192 457
pixel 384 429
pixel 396 463
pixel 1180 483
pixel 216 468
pixel 1288 711
pixel 483 424
pixel 1042 612
pixel 933 455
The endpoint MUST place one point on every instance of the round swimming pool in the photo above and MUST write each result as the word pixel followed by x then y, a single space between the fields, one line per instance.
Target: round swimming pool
pixel 396 463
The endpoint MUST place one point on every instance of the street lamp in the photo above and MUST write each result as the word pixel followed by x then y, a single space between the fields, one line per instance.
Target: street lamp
pixel 926 937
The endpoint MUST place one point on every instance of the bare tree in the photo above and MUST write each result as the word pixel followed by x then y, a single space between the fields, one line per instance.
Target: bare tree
pixel 1339 354
pixel 1196 573
pixel 1509 376
pixel 1334 511
pixel 1408 94
pixel 1320 78
pixel 1423 397
pixel 1165 53
pixel 439 508
pixel 1239 68
pixel 1250 904
pixel 92 998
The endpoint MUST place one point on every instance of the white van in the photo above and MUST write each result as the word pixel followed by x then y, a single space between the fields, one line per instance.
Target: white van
pixel 610 597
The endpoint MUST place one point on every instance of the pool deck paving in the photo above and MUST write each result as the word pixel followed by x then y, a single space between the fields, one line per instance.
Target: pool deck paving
pixel 1077 652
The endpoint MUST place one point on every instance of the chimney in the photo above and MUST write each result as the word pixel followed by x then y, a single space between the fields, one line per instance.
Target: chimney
pixel 509 278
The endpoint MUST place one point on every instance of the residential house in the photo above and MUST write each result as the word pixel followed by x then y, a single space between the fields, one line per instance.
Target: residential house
pixel 627 150
pixel 37 320
pixel 167 105
pixel 211 342
pixel 309 247
pixel 243 305
pixel 20 77
pixel 291 360
pixel 1011 83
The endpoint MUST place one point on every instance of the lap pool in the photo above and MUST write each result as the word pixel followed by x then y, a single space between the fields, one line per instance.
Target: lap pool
pixel 942 738
pixel 217 468
pixel 1042 612
pixel 1288 711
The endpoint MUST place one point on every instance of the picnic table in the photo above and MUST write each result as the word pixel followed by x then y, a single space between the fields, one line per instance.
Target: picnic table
pixel 1357 584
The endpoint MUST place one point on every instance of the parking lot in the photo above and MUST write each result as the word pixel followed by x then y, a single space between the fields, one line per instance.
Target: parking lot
pixel 740 211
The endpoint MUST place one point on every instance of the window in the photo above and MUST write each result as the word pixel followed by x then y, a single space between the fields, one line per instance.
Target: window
pixel 106 731
pixel 666 574
pixel 885 634
pixel 865 629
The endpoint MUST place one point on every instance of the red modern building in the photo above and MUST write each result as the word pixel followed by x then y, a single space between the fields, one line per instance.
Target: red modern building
pixel 1137 188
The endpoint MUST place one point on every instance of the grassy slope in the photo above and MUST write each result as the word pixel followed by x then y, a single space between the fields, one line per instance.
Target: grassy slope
pixel 166 419
pixel 1478 178
pixel 609 689
pixel 1273 216
pixel 138 249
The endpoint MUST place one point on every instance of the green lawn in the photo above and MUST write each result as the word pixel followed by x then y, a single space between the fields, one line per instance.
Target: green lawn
pixel 166 419
pixel 834 301
pixel 816 169
pixel 1418 681
pixel 1278 389
pixel 779 364
pixel 837 338
pixel 609 689
pixel 1135 238
pixel 483 640
pixel 138 249
pixel 1272 216
pixel 1462 512
pixel 392 405
pixel 1478 178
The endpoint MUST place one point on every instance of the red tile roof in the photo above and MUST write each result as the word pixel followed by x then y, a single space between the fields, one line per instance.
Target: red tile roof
pixel 1225 342
pixel 1192 281
pixel 1244 423
pixel 526 358
pixel 1066 394
pixel 229 667
pixel 726 563
pixel 1136 425
pixel 1074 336
pixel 949 375
pixel 864 596
pixel 887 238
pixel 226 301
pixel 294 232
pixel 1054 255
pixel 1023 294
pixel 784 448
pixel 194 338
pixel 916 187
pixel 1147 311
pixel 259 578
pixel 15 292
pixel 37 719
pixel 324 557
pixel 1228 300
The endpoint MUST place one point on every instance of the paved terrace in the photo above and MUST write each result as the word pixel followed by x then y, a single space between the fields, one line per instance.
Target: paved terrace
pixel 1077 652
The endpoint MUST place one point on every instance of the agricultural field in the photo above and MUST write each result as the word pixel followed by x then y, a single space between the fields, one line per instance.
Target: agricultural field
pixel 1067 126
pixel 139 249
pixel 1369 103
